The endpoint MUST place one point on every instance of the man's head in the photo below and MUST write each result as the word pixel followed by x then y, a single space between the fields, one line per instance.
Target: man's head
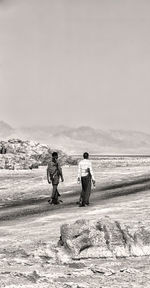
pixel 85 155
pixel 55 155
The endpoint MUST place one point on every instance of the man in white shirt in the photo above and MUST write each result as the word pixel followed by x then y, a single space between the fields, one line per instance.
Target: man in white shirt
pixel 85 176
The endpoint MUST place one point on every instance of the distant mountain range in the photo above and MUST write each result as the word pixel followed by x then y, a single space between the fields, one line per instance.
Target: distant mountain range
pixel 77 140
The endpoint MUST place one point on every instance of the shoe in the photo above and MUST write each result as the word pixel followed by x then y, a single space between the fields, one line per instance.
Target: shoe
pixel 78 202
pixel 58 202
pixel 81 205
pixel 53 201
pixel 50 201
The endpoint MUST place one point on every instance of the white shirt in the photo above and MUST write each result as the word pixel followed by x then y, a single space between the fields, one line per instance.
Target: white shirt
pixel 82 168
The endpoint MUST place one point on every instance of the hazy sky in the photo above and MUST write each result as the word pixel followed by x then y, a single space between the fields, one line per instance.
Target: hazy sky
pixel 75 62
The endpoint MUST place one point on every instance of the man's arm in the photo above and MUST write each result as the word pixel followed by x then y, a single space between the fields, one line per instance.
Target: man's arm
pixel 60 172
pixel 91 171
pixel 48 176
pixel 79 173
pixel 92 174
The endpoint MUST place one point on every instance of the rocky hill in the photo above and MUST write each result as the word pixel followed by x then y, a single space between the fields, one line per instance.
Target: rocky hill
pixel 19 154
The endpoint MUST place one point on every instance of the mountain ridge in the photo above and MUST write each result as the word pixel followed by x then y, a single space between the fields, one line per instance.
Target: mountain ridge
pixel 76 140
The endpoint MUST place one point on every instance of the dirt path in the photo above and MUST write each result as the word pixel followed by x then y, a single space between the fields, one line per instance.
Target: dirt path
pixel 99 196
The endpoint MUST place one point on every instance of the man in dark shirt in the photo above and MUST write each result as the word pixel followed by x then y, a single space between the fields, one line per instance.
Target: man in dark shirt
pixel 54 173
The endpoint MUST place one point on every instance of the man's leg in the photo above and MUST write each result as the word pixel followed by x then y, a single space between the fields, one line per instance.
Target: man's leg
pixel 58 195
pixel 86 190
pixel 80 200
pixel 54 194
pixel 82 196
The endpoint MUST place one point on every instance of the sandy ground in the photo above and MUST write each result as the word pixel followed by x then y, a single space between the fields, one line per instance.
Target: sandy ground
pixel 30 227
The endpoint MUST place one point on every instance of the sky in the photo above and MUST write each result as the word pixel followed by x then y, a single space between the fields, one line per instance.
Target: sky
pixel 75 63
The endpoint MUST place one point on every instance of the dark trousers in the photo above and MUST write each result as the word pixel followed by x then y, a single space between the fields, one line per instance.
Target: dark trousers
pixel 55 193
pixel 86 189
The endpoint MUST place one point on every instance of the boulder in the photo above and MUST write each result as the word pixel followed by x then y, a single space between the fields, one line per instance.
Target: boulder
pixel 104 238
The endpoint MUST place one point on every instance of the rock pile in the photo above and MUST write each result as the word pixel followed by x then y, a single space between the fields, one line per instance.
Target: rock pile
pixel 27 154
pixel 104 238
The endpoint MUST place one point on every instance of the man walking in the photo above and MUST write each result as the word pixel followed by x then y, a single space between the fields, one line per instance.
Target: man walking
pixel 85 177
pixel 54 173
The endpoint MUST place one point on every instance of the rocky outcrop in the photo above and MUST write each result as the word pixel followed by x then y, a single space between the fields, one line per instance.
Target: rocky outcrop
pixel 104 238
pixel 28 154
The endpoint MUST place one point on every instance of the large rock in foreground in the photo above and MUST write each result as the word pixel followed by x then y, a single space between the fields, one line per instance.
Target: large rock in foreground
pixel 104 238
pixel 28 154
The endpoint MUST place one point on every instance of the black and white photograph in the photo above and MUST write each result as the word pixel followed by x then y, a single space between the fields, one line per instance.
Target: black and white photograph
pixel 74 143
